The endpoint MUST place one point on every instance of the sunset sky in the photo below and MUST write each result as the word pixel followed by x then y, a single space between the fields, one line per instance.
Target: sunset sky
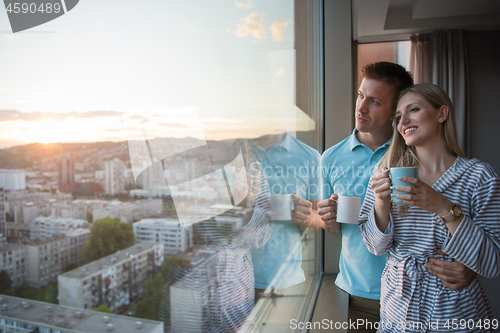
pixel 108 67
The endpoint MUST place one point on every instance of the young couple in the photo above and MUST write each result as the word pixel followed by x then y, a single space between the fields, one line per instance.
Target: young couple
pixel 422 265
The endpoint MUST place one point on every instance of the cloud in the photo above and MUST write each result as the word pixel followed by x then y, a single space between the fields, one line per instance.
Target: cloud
pixel 137 116
pixel 14 115
pixel 174 125
pixel 221 120
pixel 120 129
pixel 247 5
pixel 232 132
pixel 252 25
pixel 278 29
pixel 142 119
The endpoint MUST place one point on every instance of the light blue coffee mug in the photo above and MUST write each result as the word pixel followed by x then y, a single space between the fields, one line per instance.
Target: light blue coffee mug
pixel 395 173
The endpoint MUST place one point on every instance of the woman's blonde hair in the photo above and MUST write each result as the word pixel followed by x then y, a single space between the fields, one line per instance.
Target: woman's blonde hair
pixel 401 155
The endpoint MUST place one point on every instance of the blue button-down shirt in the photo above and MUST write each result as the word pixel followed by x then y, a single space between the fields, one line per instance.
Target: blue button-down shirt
pixel 347 168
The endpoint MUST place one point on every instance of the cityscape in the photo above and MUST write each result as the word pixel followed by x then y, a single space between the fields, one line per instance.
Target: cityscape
pixel 76 222
pixel 94 240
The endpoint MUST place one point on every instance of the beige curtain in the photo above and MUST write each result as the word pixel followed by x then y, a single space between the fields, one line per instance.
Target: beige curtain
pixel 440 57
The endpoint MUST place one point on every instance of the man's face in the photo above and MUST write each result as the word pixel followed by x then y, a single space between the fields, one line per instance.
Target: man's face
pixel 374 106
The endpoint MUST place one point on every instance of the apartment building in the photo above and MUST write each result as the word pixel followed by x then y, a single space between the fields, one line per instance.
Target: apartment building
pixel 12 180
pixel 13 261
pixel 88 187
pixel 67 173
pixel 23 315
pixel 17 232
pixel 167 231
pixel 16 201
pixel 45 227
pixel 2 216
pixel 129 212
pixel 78 209
pixel 29 212
pixel 115 280
pixel 114 177
pixel 151 192
pixel 68 210
pixel 217 280
pixel 40 261
pixel 221 227
pixel 49 257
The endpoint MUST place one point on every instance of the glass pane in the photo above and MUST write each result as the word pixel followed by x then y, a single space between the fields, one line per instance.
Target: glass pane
pixel 195 123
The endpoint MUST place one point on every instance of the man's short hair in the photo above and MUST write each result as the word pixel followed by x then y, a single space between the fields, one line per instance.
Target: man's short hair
pixel 390 73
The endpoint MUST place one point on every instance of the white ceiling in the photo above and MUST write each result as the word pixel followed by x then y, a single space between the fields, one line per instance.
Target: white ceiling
pixel 389 20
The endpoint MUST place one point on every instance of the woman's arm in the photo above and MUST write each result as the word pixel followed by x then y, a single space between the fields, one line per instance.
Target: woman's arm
pixel 375 219
pixel 476 241
pixel 381 183
pixel 427 198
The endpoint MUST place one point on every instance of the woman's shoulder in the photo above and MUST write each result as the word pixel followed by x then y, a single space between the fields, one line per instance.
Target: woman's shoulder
pixel 476 169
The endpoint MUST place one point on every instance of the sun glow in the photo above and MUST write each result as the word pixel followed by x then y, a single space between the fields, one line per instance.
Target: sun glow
pixel 68 130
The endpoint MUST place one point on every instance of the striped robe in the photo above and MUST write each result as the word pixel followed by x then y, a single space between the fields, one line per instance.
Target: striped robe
pixel 412 299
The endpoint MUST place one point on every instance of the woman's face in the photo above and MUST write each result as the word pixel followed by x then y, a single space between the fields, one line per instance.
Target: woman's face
pixel 418 121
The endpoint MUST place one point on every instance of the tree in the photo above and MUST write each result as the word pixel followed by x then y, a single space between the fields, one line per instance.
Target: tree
pixel 102 308
pixel 70 267
pixel 156 295
pixel 149 306
pixel 5 282
pixel 106 237
pixel 174 268
pixel 47 293
pixel 8 218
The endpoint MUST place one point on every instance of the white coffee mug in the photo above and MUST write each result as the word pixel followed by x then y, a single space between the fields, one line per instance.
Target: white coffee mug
pixel 348 209
pixel 281 207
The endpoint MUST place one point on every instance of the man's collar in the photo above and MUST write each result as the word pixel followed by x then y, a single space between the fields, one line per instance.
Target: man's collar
pixel 353 141
pixel 286 143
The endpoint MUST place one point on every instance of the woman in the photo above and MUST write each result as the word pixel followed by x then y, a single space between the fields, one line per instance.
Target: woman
pixel 454 207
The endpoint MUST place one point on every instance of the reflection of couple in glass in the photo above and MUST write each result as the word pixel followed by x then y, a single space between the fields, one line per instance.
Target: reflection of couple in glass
pixel 240 249
pixel 263 254
pixel 292 170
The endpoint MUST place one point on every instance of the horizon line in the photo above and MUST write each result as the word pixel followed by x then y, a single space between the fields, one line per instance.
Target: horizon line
pixel 118 141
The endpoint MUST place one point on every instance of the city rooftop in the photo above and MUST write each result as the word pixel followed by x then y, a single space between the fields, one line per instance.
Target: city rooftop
pixel 109 261
pixel 68 319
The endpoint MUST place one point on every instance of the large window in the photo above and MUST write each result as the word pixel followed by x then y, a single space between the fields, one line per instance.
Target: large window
pixel 201 119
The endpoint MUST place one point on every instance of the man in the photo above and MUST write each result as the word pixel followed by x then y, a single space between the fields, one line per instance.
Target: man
pixel 347 168
pixel 290 167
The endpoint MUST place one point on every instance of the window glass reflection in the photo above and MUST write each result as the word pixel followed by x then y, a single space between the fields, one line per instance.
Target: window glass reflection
pixel 178 119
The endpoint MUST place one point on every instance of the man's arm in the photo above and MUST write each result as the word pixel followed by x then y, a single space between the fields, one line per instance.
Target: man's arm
pixel 454 274
pixel 327 211
pixel 305 213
